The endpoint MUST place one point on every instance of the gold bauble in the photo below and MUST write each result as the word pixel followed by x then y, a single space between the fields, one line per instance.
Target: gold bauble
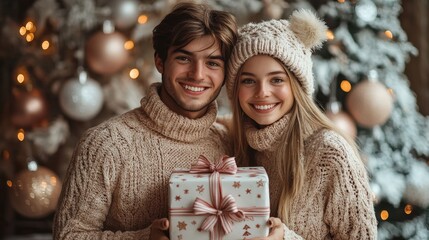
pixel 34 194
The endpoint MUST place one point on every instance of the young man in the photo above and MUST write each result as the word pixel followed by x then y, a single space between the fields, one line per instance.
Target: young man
pixel 117 181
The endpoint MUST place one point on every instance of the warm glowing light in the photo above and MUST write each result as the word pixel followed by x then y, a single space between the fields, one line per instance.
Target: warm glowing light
pixel 20 78
pixel 408 209
pixel 142 19
pixel 9 183
pixel 129 45
pixel 45 45
pixel 22 31
pixel 388 34
pixel 21 134
pixel 341 1
pixel 345 86
pixel 134 73
pixel 384 215
pixel 29 25
pixel 29 37
pixel 330 35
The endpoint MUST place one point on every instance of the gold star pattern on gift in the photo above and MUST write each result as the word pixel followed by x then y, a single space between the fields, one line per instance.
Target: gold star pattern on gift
pixel 177 185
pixel 182 225
pixel 236 184
pixel 258 226
pixel 186 191
pixel 260 183
pixel 193 222
pixel 200 188
pixel 179 237
pixel 178 198
pixel 258 196
pixel 248 191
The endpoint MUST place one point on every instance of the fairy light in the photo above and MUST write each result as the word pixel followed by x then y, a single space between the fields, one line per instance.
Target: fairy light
pixel 22 31
pixel 388 34
pixel 134 73
pixel 30 26
pixel 142 19
pixel 345 86
pixel 20 78
pixel 384 215
pixel 21 135
pixel 45 45
pixel 408 209
pixel 128 45
pixel 9 183
pixel 29 37
pixel 341 1
pixel 330 35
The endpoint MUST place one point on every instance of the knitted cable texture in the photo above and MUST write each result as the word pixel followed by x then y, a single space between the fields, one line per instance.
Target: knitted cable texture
pixel 117 180
pixel 335 201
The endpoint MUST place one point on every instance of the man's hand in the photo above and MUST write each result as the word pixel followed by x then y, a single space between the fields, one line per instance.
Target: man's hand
pixel 276 230
pixel 158 229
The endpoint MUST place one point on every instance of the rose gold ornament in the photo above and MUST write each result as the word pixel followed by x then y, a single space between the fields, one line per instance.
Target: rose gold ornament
pixel 35 194
pixel 344 122
pixel 28 107
pixel 369 103
pixel 105 51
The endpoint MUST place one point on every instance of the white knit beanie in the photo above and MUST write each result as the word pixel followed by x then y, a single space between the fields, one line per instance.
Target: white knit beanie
pixel 291 42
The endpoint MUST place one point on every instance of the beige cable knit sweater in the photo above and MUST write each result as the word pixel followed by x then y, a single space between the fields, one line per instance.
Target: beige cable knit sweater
pixel 336 200
pixel 117 181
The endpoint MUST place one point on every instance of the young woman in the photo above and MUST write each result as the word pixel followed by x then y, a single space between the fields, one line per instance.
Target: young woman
pixel 318 184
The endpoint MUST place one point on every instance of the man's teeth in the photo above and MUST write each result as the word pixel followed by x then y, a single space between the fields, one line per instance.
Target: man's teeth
pixel 264 107
pixel 193 89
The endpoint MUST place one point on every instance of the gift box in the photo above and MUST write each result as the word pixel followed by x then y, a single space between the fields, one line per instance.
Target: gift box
pixel 218 201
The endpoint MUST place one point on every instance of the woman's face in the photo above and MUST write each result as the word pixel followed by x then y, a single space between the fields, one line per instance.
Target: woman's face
pixel 264 90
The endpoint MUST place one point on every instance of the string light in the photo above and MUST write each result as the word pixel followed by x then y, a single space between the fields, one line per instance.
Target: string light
pixel 341 1
pixel 142 19
pixel 21 135
pixel 384 215
pixel 45 45
pixel 134 73
pixel 408 209
pixel 20 78
pixel 128 45
pixel 30 26
pixel 330 35
pixel 22 31
pixel 29 37
pixel 9 183
pixel 345 86
pixel 388 34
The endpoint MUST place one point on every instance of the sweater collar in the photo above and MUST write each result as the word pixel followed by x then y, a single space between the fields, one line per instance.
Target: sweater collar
pixel 268 138
pixel 170 124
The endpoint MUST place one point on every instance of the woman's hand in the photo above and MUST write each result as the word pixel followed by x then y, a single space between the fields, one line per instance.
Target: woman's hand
pixel 276 230
pixel 158 229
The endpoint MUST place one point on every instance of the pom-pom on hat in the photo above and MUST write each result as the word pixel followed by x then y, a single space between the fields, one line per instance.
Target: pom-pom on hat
pixel 291 42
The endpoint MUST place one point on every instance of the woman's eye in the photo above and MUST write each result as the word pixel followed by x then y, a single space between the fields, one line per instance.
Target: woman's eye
pixel 247 81
pixel 214 64
pixel 277 80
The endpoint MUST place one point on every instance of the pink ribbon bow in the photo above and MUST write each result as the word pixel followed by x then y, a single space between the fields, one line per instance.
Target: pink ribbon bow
pixel 224 165
pixel 222 210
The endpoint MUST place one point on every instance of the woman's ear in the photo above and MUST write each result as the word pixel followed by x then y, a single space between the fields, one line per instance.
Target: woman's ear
pixel 159 63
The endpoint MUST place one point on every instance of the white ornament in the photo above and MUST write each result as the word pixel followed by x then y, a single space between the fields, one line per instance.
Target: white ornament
pixel 125 13
pixel 366 11
pixel 81 99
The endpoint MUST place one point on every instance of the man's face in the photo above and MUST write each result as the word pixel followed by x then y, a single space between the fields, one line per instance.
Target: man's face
pixel 192 76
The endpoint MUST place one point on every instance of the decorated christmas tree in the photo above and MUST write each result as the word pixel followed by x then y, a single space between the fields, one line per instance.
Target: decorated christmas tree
pixel 67 65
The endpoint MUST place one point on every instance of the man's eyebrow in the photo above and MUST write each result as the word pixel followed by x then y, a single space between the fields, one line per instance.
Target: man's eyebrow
pixel 179 50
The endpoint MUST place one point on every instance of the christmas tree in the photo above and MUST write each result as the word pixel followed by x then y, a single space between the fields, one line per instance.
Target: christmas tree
pixel 67 65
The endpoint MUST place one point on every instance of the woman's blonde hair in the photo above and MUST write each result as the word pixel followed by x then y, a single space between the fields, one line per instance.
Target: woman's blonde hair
pixel 305 117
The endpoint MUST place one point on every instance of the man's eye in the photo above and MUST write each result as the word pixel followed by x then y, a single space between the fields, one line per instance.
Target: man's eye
pixel 182 58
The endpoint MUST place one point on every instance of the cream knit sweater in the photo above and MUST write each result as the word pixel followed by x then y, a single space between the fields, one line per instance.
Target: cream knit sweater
pixel 336 201
pixel 117 181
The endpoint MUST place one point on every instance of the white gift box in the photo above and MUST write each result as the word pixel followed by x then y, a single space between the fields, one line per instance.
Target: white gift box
pixel 206 205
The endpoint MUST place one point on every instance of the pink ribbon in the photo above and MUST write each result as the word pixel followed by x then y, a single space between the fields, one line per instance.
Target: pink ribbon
pixel 222 210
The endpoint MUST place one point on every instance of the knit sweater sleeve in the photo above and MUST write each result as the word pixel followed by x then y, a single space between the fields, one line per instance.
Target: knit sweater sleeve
pixel 349 210
pixel 87 191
